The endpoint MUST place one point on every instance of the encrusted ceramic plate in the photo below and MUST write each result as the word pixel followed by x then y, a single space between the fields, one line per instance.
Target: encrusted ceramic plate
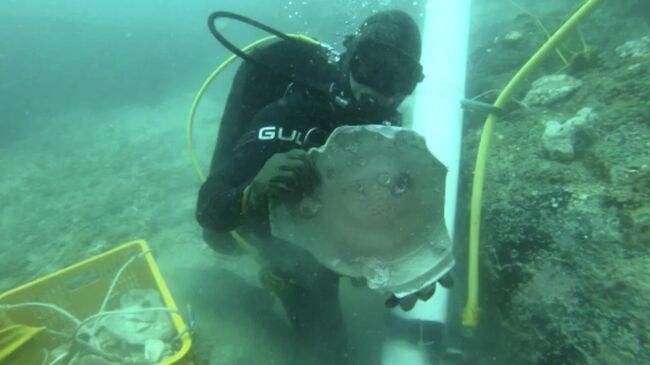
pixel 378 211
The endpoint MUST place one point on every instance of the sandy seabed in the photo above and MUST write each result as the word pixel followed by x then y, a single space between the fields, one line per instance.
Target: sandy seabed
pixel 90 181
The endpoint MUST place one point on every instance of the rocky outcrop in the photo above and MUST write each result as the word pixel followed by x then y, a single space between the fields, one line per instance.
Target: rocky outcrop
pixel 560 139
pixel 550 89
pixel 566 217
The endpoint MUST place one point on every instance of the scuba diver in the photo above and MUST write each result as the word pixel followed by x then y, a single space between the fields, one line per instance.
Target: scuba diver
pixel 287 101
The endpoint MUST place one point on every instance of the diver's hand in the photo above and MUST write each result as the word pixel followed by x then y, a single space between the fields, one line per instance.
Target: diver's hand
pixel 285 173
pixel 408 302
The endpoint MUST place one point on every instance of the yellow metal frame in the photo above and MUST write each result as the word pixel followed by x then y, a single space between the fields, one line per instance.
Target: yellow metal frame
pixel 80 289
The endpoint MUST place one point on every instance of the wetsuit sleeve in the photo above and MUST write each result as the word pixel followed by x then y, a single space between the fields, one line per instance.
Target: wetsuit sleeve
pixel 220 196
pixel 219 206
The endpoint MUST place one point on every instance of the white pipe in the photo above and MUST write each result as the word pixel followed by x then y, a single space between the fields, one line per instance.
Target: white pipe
pixel 437 116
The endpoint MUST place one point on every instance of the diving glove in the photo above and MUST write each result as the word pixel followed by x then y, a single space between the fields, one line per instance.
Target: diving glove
pixel 284 174
pixel 408 302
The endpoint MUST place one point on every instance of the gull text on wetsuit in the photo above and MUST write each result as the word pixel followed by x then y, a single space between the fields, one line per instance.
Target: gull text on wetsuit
pixel 272 132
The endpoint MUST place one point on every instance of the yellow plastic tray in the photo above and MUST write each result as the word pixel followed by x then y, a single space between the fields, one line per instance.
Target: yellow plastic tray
pixel 80 289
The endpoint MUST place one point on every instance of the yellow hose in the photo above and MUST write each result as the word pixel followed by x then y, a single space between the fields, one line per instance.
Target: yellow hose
pixel 206 84
pixel 471 312
pixel 541 26
pixel 244 245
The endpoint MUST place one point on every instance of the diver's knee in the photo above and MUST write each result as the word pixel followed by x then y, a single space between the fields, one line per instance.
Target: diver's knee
pixel 222 242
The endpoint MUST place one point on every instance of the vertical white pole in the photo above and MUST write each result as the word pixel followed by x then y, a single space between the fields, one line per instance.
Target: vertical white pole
pixel 437 112
pixel 438 116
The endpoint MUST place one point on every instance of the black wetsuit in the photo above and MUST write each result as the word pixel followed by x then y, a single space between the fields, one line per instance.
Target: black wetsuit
pixel 257 123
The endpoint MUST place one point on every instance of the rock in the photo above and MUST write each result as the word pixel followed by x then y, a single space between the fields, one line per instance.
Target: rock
pixel 512 39
pixel 559 139
pixel 550 89
pixel 513 36
pixel 635 48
